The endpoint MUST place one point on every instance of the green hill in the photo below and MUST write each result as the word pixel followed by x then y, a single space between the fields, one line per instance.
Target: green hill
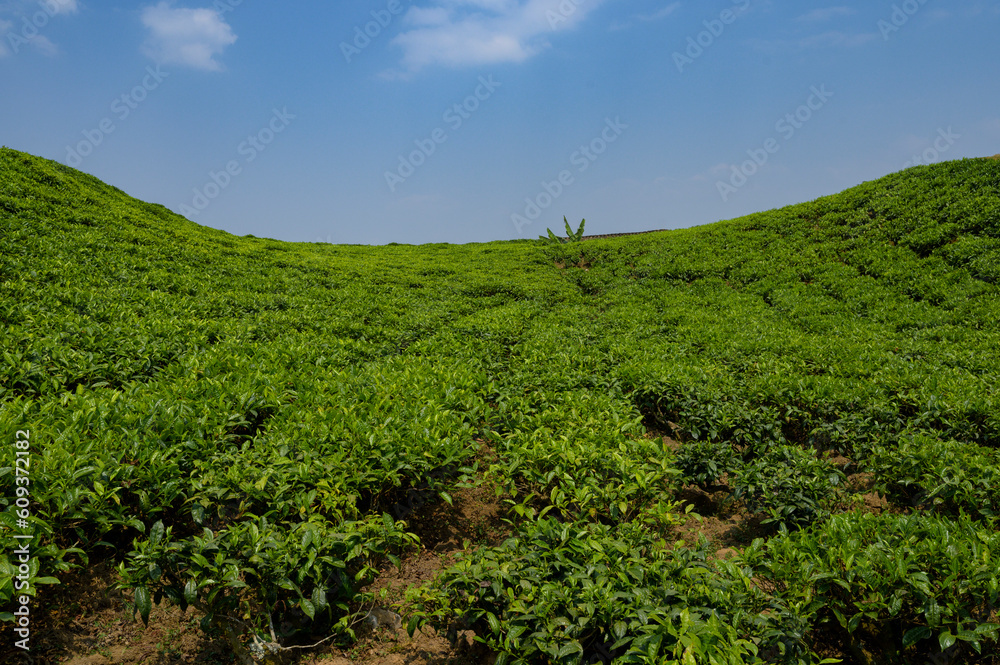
pixel 257 428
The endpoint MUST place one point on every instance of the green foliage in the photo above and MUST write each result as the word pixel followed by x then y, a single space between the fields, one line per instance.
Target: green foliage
pixel 573 593
pixel 230 419
pixel 254 568
pixel 705 462
pixel 944 476
pixel 571 235
pixel 902 587
pixel 574 236
pixel 791 486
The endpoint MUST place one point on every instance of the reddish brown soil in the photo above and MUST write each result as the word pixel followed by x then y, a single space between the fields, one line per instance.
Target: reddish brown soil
pixel 665 437
pixel 863 484
pixel 475 516
pixel 726 524
pixel 91 621
pixel 475 519
pixel 396 648
pixel 729 527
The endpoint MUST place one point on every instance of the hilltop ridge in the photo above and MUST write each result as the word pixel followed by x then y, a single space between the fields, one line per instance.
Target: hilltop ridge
pixel 510 439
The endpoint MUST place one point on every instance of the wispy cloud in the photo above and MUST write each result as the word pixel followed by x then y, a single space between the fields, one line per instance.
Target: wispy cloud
pixel 658 15
pixel 806 31
pixel 837 38
pixel 44 45
pixel 825 14
pixel 56 7
pixel 30 7
pixel 459 33
pixel 5 27
pixel 972 10
pixel 34 17
pixel 188 37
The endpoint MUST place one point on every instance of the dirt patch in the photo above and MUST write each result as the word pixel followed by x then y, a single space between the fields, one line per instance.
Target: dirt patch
pixel 727 535
pixel 875 503
pixel 665 437
pixel 89 622
pixel 395 647
pixel 415 570
pixel 473 519
pixel 863 485
pixel 707 501
pixel 861 482
pixel 725 523
pixel 93 625
pixel 474 516
pixel 839 461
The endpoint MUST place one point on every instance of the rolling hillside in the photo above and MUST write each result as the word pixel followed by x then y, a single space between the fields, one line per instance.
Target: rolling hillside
pixel 766 440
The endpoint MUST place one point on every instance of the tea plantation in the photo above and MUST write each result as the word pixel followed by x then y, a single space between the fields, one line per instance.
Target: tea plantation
pixel 233 422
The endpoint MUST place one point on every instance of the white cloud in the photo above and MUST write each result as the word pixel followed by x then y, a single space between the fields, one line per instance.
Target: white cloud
pixel 837 38
pixel 44 45
pixel 33 19
pixel 825 14
pixel 424 16
pixel 458 33
pixel 830 39
pixel 189 37
pixel 663 13
pixel 56 7
pixel 658 15
pixel 5 27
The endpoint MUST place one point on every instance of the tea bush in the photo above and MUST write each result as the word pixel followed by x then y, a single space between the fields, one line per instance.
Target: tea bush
pixel 241 424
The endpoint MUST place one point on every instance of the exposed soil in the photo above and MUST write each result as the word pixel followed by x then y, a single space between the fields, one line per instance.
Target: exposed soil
pixel 474 519
pixel 726 524
pixel 729 526
pixel 665 437
pixel 863 484
pixel 91 621
pixel 474 516
pixel 394 647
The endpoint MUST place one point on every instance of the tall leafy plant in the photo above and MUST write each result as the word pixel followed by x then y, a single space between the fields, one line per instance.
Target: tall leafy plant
pixel 571 236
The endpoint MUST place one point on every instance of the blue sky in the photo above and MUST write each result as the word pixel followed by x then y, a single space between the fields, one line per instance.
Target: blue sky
pixel 459 121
